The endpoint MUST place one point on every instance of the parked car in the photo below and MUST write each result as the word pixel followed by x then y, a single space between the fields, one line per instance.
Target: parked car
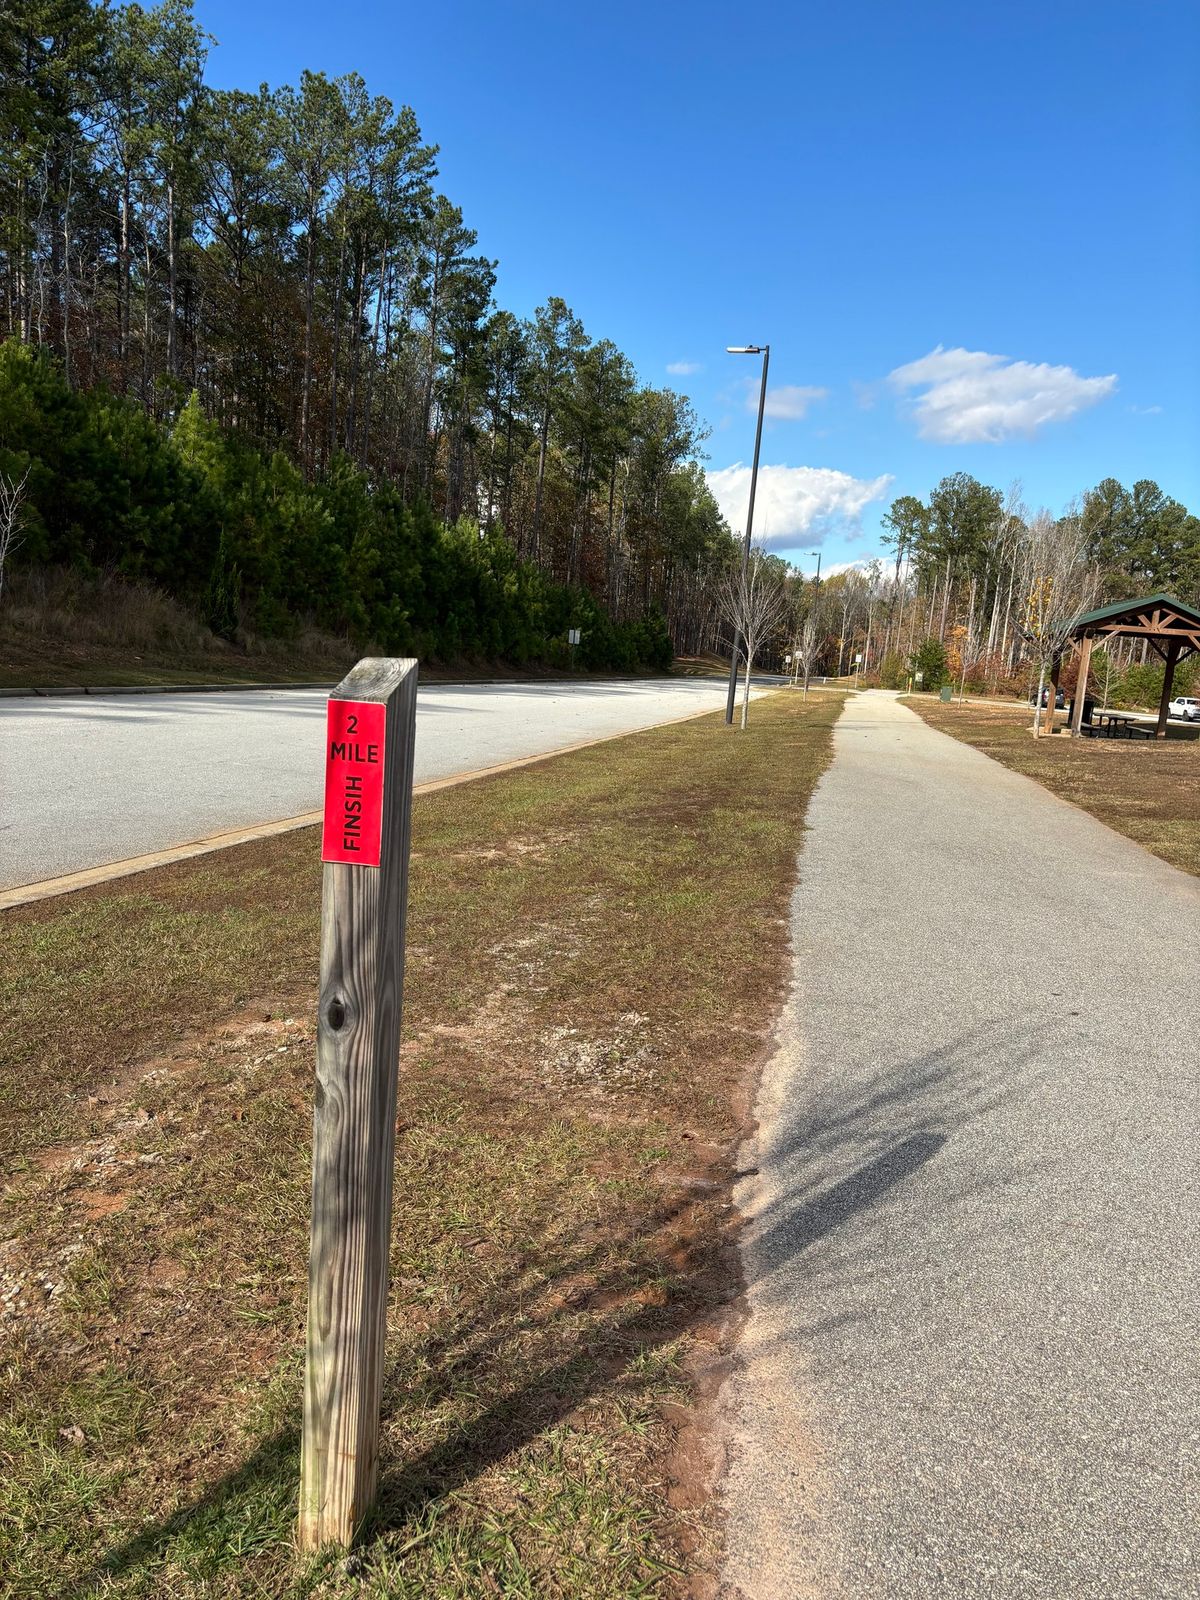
pixel 1060 698
pixel 1186 706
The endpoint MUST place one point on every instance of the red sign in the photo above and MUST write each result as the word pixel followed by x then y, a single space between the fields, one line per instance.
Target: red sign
pixel 354 782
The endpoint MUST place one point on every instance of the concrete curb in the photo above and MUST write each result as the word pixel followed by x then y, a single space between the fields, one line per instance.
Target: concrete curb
pixel 68 883
pixel 61 690
pixel 66 690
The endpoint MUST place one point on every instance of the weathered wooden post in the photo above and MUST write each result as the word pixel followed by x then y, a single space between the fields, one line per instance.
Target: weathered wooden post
pixel 365 845
pixel 1056 665
pixel 1081 684
pixel 1172 661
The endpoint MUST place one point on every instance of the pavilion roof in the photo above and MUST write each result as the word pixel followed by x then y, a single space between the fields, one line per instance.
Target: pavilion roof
pixel 1159 616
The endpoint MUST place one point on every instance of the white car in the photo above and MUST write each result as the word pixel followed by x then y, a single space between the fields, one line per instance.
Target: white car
pixel 1186 706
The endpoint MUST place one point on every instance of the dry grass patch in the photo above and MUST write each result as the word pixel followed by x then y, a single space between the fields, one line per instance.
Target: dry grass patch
pixel 59 627
pixel 1147 790
pixel 597 949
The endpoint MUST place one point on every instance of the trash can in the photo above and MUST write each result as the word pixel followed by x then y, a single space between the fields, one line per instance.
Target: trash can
pixel 1089 705
pixel 947 693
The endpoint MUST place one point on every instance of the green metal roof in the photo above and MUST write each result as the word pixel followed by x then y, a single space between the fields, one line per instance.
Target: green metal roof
pixel 1147 603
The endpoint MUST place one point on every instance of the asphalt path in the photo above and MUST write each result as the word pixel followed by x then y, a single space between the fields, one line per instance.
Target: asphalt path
pixel 88 781
pixel 971 1354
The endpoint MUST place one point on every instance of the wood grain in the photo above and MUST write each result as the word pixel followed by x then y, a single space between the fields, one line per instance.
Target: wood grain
pixel 1172 661
pixel 354 1114
pixel 1081 684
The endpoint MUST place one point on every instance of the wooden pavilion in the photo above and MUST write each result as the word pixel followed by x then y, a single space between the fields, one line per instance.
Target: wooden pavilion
pixel 1169 627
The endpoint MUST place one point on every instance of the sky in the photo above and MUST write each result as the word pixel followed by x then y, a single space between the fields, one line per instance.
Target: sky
pixel 970 233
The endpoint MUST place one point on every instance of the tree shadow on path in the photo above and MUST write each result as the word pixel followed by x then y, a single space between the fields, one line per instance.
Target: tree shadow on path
pixel 645 1302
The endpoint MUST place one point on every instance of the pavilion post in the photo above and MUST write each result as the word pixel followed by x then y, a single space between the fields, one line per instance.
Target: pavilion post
pixel 1173 650
pixel 1081 683
pixel 1052 696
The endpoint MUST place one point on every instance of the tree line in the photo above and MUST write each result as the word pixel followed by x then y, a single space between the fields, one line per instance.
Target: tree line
pixel 266 289
pixel 976 585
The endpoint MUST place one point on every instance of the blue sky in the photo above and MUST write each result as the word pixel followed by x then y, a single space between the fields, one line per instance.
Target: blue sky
pixel 970 233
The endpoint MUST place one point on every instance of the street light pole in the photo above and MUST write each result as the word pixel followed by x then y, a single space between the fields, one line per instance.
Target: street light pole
pixel 816 591
pixel 747 350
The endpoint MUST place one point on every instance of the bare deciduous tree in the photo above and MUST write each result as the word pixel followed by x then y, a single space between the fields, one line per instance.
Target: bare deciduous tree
pixel 12 520
pixel 807 642
pixel 1105 667
pixel 754 600
pixel 1063 583
pixel 1002 546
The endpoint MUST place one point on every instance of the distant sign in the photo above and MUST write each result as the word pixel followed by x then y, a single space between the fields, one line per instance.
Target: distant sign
pixel 572 635
pixel 354 738
pixel 858 658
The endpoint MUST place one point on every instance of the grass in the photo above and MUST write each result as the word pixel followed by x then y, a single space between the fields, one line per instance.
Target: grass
pixel 1145 789
pixel 61 629
pixel 597 948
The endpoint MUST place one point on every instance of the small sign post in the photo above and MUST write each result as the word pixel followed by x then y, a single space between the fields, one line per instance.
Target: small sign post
pixel 365 846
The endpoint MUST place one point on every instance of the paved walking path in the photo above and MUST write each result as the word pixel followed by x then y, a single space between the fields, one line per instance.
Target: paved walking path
pixel 972 1360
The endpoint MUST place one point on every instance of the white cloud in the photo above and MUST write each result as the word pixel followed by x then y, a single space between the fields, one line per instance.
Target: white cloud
pixel 970 397
pixel 1146 411
pixel 836 568
pixel 684 369
pixel 786 404
pixel 794 503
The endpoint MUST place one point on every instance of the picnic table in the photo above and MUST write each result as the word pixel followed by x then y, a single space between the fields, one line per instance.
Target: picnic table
pixel 1119 725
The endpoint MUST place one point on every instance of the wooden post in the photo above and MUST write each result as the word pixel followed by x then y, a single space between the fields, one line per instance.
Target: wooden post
pixel 1081 683
pixel 1052 697
pixel 365 846
pixel 1173 650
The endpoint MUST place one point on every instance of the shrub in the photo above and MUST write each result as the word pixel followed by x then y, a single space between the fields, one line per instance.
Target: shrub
pixel 223 594
pixel 1141 683
pixel 929 659
pixel 893 674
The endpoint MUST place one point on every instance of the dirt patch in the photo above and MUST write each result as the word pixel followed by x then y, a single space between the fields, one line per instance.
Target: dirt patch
pixel 704 1428
pixel 97 1206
